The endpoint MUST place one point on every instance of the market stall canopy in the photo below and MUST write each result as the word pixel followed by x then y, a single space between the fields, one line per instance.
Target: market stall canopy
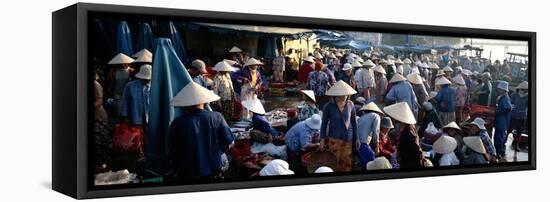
pixel 145 38
pixel 177 43
pixel 124 39
pixel 350 44
pixel 169 77
pixel 261 29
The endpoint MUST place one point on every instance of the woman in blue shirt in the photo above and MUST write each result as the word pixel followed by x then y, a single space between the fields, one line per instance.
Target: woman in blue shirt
pixel 520 101
pixel 339 126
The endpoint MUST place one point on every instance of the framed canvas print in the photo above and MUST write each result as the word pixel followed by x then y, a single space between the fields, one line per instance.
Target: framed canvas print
pixel 158 100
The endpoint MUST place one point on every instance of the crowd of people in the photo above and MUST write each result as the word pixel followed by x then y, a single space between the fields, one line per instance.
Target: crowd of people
pixel 418 118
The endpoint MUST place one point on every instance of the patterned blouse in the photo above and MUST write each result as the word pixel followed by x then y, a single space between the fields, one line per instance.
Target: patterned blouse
pixel 318 82
pixel 223 86
pixel 307 111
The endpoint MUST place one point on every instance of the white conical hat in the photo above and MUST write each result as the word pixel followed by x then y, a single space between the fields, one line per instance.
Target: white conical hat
pixel 398 61
pixel 444 145
pixel 442 81
pixel 347 67
pixel 397 78
pixel 447 69
pixel 230 62
pixel 356 64
pixel 459 80
pixel 310 94
pixel 390 57
pixel 235 49
pixel 145 72
pixel 414 78
pixel 254 105
pixel 338 54
pixel 144 56
pixel 407 61
pixel 142 52
pixel 222 66
pixel 193 94
pixel 434 66
pixel 379 69
pixel 523 85
pixel 369 63
pixel 424 65
pixel 474 143
pixel 379 163
pixel 418 63
pixel 400 112
pixel 452 125
pixel 382 61
pixel 252 61
pixel 318 55
pixel 371 107
pixel 340 88
pixel 331 55
pixel 121 59
pixel 309 59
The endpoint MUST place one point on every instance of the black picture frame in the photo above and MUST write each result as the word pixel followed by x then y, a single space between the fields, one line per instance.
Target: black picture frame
pixel 71 77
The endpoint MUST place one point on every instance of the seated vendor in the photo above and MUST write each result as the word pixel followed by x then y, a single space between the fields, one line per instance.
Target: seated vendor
pixel 262 131
pixel 308 108
pixel 301 138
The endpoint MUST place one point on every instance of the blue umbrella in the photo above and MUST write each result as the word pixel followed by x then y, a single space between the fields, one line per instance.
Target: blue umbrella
pixel 145 38
pixel 177 42
pixel 124 39
pixel 169 77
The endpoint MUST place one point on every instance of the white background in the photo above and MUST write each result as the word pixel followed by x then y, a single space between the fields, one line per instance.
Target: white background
pixel 25 102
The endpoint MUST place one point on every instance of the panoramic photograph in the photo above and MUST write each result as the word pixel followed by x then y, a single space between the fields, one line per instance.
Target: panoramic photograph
pixel 192 102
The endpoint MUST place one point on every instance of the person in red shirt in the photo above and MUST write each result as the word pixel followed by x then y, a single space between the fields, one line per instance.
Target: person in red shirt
pixel 385 146
pixel 305 69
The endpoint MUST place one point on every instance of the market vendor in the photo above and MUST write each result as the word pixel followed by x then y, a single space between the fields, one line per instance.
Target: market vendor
pixel 445 101
pixel 485 90
pixel 418 87
pixel 198 68
pixel 223 87
pixel 502 118
pixel 402 91
pixel 318 82
pixel 118 77
pixel 339 126
pixel 236 54
pixel 247 82
pixel 346 75
pixel 262 131
pixel 453 130
pixel 520 101
pixel 474 151
pixel 385 145
pixel 305 69
pixel 461 95
pixel 308 108
pixel 301 138
pixel 368 131
pixel 198 138
pixel 365 81
pixel 444 151
pixel 381 84
pixel 478 129
pixel 135 98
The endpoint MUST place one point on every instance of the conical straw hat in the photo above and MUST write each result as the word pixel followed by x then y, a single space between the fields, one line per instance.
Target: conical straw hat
pixel 523 85
pixel 442 81
pixel 407 61
pixel 371 107
pixel 459 80
pixel 398 61
pixel 318 55
pixel 235 49
pixel 340 88
pixel 309 59
pixel 193 94
pixel 379 69
pixel 310 94
pixel 452 125
pixel 379 163
pixel 444 145
pixel 230 62
pixel 414 78
pixel 252 61
pixel 447 69
pixel 121 59
pixel 434 66
pixel 223 67
pixel 254 105
pixel 400 112
pixel 397 78
pixel 369 63
pixel 145 57
pixel 142 52
pixel 356 64
pixel 474 143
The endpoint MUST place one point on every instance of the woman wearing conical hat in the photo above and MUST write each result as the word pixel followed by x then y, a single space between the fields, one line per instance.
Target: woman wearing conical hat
pixel 445 101
pixel 118 76
pixel 223 87
pixel 339 126
pixel 381 84
pixel 474 151
pixel 402 91
pixel 247 82
pixel 409 152
pixel 318 82
pixel 198 138
pixel 461 95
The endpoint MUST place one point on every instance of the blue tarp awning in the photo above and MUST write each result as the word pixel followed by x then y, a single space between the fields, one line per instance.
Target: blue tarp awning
pixel 124 39
pixel 145 38
pixel 178 43
pixel 169 77
pixel 350 44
